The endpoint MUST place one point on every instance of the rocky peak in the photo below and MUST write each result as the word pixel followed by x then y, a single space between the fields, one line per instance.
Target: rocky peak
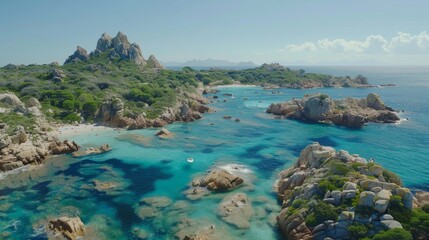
pixel 104 42
pixel 120 39
pixel 117 47
pixel 152 62
pixel 79 55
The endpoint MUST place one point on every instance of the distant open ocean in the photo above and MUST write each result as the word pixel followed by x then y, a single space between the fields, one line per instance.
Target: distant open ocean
pixel 143 165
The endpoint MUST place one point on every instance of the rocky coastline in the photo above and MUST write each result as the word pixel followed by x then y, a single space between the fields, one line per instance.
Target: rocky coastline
pixel 349 112
pixel 35 143
pixel 329 194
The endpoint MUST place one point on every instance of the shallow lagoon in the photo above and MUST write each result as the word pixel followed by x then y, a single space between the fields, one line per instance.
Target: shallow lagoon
pixel 142 165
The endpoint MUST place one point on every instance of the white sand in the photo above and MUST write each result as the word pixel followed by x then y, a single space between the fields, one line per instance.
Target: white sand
pixel 81 129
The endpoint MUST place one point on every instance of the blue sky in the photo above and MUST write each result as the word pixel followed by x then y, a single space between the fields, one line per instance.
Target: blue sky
pixel 291 32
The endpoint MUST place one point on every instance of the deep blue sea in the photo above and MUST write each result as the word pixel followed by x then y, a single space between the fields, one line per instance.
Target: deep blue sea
pixel 142 165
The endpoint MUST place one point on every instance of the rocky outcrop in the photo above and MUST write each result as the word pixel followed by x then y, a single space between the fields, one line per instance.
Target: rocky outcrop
pixel 79 55
pixel 116 48
pixel 92 151
pixel 69 228
pixel 188 108
pixel 10 99
pixel 64 147
pixel 57 75
pixel 345 188
pixel 164 133
pixel 347 112
pixel 218 180
pixel 152 62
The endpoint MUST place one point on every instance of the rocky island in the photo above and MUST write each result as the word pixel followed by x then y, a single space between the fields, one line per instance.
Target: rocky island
pixel 336 195
pixel 349 112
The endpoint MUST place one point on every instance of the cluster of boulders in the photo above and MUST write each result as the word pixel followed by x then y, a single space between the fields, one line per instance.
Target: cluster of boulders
pixel 187 109
pixel 364 196
pixel 21 146
pixel 117 47
pixel 349 112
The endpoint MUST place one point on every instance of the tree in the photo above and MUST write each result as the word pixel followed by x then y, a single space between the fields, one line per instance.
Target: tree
pixel 393 234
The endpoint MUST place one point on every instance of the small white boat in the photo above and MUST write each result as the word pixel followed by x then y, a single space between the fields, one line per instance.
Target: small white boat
pixel 190 160
pixel 232 96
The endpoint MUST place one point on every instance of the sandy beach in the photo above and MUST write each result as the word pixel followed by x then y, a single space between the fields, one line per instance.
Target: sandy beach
pixel 66 131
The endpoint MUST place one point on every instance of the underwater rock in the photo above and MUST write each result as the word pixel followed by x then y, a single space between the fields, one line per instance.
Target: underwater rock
pixel 220 180
pixel 157 201
pixel 236 210
pixel 92 151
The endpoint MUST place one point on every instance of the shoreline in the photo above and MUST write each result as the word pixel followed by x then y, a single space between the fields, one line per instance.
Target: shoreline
pixel 235 85
pixel 67 131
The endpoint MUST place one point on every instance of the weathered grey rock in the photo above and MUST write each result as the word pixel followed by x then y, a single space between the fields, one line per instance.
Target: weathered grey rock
pixel 79 55
pixel 4 141
pixel 384 194
pixel 164 133
pixel 346 216
pixel 375 171
pixel 366 199
pixel 152 62
pixel 407 197
pixel 104 43
pixel 374 101
pixel 381 205
pixel 317 107
pixel 386 217
pixel 236 210
pixel 350 186
pixel 10 99
pixel 391 224
pixel 370 184
pixel 33 102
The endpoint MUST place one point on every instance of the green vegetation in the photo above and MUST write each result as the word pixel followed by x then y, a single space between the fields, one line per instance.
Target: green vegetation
pixel 332 183
pixel 321 212
pixel 358 231
pixel 393 234
pixel 13 120
pixel 265 74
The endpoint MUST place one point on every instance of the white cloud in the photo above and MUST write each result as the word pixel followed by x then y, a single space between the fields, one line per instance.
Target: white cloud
pixel 403 43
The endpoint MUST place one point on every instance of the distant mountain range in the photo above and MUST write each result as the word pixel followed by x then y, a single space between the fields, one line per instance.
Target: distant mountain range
pixel 210 63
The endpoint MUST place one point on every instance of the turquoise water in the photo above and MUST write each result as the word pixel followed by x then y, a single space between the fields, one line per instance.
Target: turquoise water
pixel 142 165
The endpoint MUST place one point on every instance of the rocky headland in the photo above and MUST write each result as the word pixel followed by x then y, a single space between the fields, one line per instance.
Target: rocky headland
pixel 30 144
pixel 349 112
pixel 336 195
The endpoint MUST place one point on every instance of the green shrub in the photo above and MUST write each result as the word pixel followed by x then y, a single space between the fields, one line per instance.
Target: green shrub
pixel 392 177
pixel 419 224
pixel 358 231
pixel 331 183
pixel 72 117
pixel 398 211
pixel 321 212
pixel 393 234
